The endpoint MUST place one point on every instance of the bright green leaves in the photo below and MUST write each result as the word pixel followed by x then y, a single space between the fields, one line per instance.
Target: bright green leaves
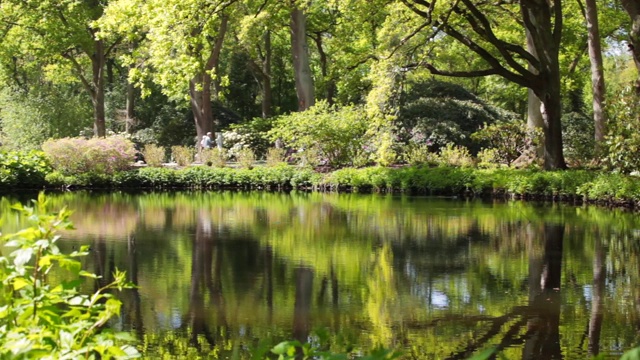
pixel 38 319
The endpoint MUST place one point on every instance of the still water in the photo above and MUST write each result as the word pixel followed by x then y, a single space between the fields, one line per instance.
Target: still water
pixel 221 274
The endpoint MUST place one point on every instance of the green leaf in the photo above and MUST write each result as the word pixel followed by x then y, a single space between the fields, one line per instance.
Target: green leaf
pixel 633 354
pixel 19 283
pixel 283 347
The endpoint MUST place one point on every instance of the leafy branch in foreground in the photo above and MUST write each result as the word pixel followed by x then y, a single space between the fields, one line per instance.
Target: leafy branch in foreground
pixel 41 318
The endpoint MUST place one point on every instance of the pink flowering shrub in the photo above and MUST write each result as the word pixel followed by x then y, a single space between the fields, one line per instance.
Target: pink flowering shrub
pixel 73 156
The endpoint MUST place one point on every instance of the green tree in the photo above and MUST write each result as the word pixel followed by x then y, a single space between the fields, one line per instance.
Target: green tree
pixel 476 27
pixel 62 36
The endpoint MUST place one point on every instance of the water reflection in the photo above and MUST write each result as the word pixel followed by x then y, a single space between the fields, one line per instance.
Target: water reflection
pixel 226 272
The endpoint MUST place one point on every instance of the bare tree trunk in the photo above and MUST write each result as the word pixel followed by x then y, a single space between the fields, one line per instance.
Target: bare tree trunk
pixel 597 72
pixel 301 67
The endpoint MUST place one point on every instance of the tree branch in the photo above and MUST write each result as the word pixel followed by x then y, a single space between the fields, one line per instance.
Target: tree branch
pixel 520 79
pixel 485 30
pixel 85 83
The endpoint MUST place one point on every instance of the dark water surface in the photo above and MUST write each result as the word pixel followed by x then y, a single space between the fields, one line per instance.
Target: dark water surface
pixel 221 273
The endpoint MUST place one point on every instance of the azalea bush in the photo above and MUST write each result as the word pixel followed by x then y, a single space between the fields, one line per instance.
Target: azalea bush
pixel 73 156
pixel 43 319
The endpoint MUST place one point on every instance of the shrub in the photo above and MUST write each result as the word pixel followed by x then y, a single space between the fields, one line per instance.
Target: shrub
pixel 154 155
pixel 182 155
pixel 252 134
pixel 54 320
pixel 622 143
pixel 419 155
pixel 509 140
pixel 455 156
pixel 275 156
pixel 245 158
pixel 23 169
pixel 488 158
pixel 336 133
pixel 73 156
pixel 214 157
pixel 437 113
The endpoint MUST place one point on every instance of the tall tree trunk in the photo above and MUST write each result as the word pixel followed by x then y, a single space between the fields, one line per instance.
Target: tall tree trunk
pixel 200 86
pixel 301 67
pixel 266 77
pixel 97 95
pixel 632 7
pixel 545 38
pixel 534 113
pixel 200 94
pixel 597 72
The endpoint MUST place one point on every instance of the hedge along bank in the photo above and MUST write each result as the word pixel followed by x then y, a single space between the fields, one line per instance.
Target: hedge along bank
pixel 32 171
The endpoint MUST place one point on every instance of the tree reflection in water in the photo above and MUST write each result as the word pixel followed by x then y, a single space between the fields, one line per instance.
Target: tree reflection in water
pixel 439 279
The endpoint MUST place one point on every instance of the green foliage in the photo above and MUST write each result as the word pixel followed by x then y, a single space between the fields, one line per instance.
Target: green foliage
pixel 74 156
pixel 182 155
pixel 40 318
pixel 214 157
pixel 419 154
pixel 245 158
pixel 455 156
pixel 488 158
pixel 154 155
pixel 23 169
pixel 338 134
pixel 385 154
pixel 509 140
pixel 157 177
pixel 578 136
pixel 611 187
pixel 622 143
pixel 27 119
pixel 252 134
pixel 291 350
pixel 275 157
pixel 438 113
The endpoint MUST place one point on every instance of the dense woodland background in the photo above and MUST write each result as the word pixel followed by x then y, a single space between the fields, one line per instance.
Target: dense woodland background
pixel 395 74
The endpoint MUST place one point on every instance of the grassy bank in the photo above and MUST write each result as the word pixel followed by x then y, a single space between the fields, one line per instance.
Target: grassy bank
pixel 570 185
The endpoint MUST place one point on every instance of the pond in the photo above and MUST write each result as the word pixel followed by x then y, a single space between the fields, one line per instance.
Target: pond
pixel 224 273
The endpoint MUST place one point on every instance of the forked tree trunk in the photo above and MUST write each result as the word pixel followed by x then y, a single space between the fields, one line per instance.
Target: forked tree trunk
pixel 200 86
